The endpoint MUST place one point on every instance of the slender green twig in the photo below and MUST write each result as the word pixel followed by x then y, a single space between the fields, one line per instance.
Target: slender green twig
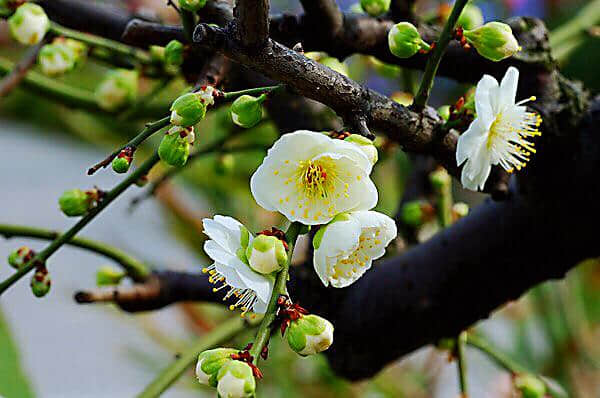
pixel 442 185
pixel 111 195
pixel 438 52
pixel 170 374
pixel 462 364
pixel 251 91
pixel 188 20
pixel 134 268
pixel 502 360
pixel 266 326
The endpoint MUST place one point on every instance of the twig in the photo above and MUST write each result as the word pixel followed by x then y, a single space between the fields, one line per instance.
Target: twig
pixel 134 268
pixel 188 20
pixel 438 52
pixel 18 73
pixel 325 15
pixel 42 256
pixel 502 360
pixel 121 294
pixel 252 16
pixel 461 364
pixel 170 374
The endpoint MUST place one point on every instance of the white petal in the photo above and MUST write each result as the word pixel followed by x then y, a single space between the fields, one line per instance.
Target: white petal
pixel 345 281
pixel 486 99
pixel 475 175
pixel 470 140
pixel 382 223
pixel 217 253
pixel 260 307
pixel 225 231
pixel 508 88
pixel 354 152
pixel 231 276
pixel 261 284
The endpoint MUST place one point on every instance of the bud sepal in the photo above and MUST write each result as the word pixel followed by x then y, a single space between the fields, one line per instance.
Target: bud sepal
pixel 405 41
pixel 174 149
pixel 246 110
pixel 266 254
pixel 494 41
pixel 310 334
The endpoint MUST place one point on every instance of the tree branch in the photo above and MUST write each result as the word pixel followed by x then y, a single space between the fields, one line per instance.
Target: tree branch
pixel 324 15
pixel 252 23
pixel 18 73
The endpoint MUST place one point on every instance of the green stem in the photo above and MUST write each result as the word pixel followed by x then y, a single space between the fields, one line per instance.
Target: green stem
pixel 436 57
pixel 462 364
pixel 442 185
pixel 502 360
pixel 188 20
pixel 266 326
pixel 135 268
pixel 251 91
pixel 587 17
pixel 70 234
pixel 97 41
pixel 171 373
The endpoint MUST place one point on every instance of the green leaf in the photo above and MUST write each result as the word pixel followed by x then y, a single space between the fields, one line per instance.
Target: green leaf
pixel 13 382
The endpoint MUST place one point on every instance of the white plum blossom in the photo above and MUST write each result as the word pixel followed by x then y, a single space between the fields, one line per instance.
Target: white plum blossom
pixel 227 246
pixel 499 133
pixel 346 247
pixel 310 177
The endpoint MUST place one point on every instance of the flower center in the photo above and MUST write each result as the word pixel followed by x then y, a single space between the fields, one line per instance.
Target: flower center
pixel 316 179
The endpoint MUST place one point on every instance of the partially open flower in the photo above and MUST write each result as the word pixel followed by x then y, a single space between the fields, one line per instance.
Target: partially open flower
pixel 56 59
pixel 499 134
pixel 236 380
pixel 107 276
pixel 210 362
pixel 494 40
pixel 346 247
pixel 375 7
pixel 40 282
pixel 266 254
pixel 118 89
pixel 29 24
pixel 21 256
pixel 192 5
pixel 227 246
pixel 405 41
pixel 174 53
pixel 246 111
pixel 174 149
pixel 310 334
pixel 365 145
pixel 310 177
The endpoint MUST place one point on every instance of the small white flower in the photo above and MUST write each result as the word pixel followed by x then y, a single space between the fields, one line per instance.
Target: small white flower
pixel 310 177
pixel 29 24
pixel 56 59
pixel 346 247
pixel 499 133
pixel 227 246
pixel 206 95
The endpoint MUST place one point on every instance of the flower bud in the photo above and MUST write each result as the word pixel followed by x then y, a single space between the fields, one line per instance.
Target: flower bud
pixel 21 256
pixel 174 53
pixel 530 386
pixel 79 48
pixel 118 89
pixel 121 163
pixel 209 363
pixel 444 112
pixel 493 41
pixel 365 145
pixel 40 282
pixel 246 111
pixel 236 380
pixel 310 334
pixel 375 7
pixel 108 276
pixel 470 17
pixel 335 64
pixel 460 209
pixel 412 213
pixel 56 59
pixel 29 24
pixel 187 110
pixel 440 179
pixel 76 202
pixel 174 148
pixel 405 41
pixel 266 254
pixel 192 5
pixel 157 54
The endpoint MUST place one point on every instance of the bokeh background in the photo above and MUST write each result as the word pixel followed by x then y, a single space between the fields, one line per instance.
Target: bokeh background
pixel 53 347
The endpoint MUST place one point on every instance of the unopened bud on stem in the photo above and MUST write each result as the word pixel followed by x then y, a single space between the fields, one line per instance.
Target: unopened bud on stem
pixel 405 41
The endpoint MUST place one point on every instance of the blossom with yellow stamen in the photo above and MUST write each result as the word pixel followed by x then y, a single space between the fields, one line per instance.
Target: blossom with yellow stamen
pixel 347 246
pixel 500 133
pixel 310 178
pixel 227 246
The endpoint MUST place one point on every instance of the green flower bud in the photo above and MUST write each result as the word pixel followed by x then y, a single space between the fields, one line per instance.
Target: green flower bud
pixel 209 363
pixel 187 110
pixel 530 386
pixel 405 41
pixel 78 48
pixel 29 24
pixel 121 163
pixel 56 59
pixel 192 5
pixel 310 334
pixel 335 64
pixel 494 41
pixel 75 202
pixel 365 145
pixel 108 276
pixel 266 254
pixel 224 164
pixel 174 53
pixel 440 179
pixel 470 17
pixel 444 112
pixel 412 213
pixel 40 282
pixel 174 148
pixel 157 54
pixel 375 7
pixel 21 256
pixel 246 111
pixel 236 380
pixel 118 89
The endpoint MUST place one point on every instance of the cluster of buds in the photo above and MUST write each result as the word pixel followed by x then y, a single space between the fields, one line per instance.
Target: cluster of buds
pixel 267 253
pixel 494 40
pixel 40 281
pixel 75 202
pixel 375 7
pixel 29 24
pixel 122 161
pixel 190 108
pixel 174 149
pixel 192 5
pixel 108 276
pixel 229 370
pixel 21 256
pixel 307 334
pixel 61 56
pixel 405 41
pixel 118 89
pixel 246 111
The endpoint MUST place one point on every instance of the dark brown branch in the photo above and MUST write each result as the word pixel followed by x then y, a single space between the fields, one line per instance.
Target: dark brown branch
pixel 252 23
pixel 402 10
pixel 324 15
pixel 12 80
